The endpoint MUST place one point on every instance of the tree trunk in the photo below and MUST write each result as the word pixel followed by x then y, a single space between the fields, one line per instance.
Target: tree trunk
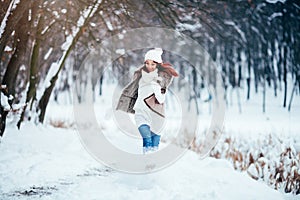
pixel 33 75
pixel 264 92
pixel 12 69
pixel 3 112
pixel 3 115
pixel 12 22
pixel 42 106
pixel 292 95
pixel 239 69
pixel 17 58
pixel 100 84
pixel 285 77
pixel 249 76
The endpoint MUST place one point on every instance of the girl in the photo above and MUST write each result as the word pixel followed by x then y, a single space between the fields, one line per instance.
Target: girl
pixel 145 97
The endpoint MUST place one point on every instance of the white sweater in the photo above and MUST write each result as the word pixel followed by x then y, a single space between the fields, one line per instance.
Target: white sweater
pixel 147 86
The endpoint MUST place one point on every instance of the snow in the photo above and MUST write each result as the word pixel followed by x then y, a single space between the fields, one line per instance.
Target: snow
pixel 186 26
pixel 55 13
pixel 29 15
pixel 51 73
pixel 109 26
pixel 22 68
pixel 65 46
pixel 242 34
pixel 253 122
pixel 121 36
pixel 48 26
pixel 8 48
pixel 48 53
pixel 274 15
pixel 120 51
pixel 42 162
pixel 275 1
pixel 4 101
pixel 51 163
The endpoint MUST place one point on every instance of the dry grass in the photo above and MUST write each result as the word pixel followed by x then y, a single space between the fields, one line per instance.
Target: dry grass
pixel 60 123
pixel 270 159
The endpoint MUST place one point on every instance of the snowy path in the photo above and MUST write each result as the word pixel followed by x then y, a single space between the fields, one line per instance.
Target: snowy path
pixel 48 163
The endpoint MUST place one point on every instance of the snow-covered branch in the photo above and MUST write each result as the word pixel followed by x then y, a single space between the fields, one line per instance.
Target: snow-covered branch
pixel 13 4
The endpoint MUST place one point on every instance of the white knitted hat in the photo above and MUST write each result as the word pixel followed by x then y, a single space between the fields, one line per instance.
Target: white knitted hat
pixel 154 54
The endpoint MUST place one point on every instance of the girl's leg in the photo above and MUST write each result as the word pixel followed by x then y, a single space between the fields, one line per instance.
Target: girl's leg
pixel 155 140
pixel 145 132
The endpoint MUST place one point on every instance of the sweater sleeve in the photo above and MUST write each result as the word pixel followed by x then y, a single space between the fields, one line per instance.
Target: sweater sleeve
pixel 157 92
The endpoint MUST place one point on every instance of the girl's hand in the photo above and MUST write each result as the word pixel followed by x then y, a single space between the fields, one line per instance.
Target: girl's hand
pixel 158 79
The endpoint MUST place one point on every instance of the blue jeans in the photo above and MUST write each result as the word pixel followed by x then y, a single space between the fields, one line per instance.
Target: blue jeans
pixel 150 139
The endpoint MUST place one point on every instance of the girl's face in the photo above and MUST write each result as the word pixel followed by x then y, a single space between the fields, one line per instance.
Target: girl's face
pixel 150 65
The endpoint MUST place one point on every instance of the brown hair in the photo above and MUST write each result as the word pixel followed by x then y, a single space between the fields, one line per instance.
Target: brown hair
pixel 167 67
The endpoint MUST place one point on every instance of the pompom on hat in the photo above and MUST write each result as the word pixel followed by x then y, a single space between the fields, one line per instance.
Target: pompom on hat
pixel 155 55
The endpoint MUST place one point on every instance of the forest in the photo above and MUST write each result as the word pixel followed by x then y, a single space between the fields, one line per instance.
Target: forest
pixel 50 47
pixel 252 41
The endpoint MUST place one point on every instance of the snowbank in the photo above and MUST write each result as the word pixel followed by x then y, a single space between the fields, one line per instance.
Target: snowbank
pixel 48 163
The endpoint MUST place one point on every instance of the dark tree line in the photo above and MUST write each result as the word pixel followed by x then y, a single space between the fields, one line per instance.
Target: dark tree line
pixel 251 40
pixel 35 28
pixel 265 35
